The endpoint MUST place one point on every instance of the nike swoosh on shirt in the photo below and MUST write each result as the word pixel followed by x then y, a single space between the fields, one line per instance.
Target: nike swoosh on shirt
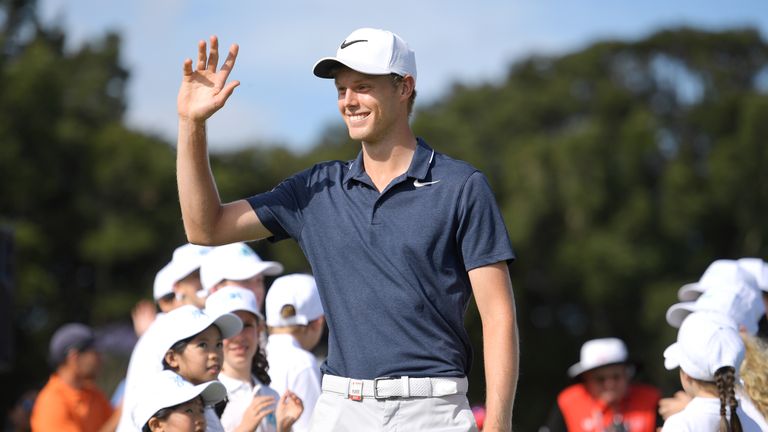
pixel 419 184
pixel 346 44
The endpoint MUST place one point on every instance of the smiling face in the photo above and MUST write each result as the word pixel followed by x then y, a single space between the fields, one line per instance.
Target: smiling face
pixel 187 417
pixel 200 360
pixel 372 106
pixel 240 348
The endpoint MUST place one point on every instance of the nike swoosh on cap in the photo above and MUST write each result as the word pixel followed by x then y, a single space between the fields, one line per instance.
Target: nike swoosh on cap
pixel 346 44
pixel 419 184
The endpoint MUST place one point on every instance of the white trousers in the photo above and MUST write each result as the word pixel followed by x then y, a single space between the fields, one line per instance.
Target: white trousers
pixel 336 413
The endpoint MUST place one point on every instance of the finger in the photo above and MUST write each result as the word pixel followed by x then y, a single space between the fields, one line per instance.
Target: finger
pixel 225 93
pixel 201 55
pixel 267 406
pixel 261 401
pixel 229 63
pixel 187 67
pixel 213 58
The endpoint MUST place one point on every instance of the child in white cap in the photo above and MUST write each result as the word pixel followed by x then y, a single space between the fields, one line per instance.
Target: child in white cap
pixel 296 321
pixel 193 345
pixel 251 402
pixel 709 352
pixel 238 265
pixel 174 404
pixel 176 284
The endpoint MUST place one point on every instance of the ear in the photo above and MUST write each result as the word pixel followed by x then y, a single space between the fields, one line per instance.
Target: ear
pixel 407 85
pixel 71 357
pixel 172 358
pixel 154 424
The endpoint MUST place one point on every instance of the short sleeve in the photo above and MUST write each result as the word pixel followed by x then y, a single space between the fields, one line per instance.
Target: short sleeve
pixel 280 210
pixel 481 236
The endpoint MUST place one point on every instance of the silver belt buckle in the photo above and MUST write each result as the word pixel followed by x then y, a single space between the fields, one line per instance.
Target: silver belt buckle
pixel 376 387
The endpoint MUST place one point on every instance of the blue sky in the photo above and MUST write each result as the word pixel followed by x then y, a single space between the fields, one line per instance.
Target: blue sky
pixel 280 101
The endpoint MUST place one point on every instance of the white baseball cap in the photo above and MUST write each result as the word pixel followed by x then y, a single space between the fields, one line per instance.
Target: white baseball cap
pixel 235 261
pixel 715 274
pixel 186 259
pixel 735 294
pixel 297 290
pixel 187 321
pixel 706 342
pixel 596 353
pixel 370 51
pixel 167 389
pixel 757 268
pixel 230 299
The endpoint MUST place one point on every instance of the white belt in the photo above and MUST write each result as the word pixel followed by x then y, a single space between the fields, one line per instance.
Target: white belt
pixel 401 387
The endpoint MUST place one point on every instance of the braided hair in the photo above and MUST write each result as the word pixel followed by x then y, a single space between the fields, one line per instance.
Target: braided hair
pixel 725 379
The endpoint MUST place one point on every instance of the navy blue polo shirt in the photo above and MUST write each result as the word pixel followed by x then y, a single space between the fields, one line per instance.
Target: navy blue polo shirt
pixel 391 267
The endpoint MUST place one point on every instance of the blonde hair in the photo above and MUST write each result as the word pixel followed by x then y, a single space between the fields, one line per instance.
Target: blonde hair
pixel 754 372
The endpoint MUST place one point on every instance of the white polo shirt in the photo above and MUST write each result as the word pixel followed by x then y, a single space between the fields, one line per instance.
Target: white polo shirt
pixel 293 368
pixel 703 414
pixel 240 395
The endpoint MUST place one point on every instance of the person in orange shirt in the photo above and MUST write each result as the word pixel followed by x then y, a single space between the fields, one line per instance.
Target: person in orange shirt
pixel 604 399
pixel 70 401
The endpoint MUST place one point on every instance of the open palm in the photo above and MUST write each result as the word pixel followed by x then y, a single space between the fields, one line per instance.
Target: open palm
pixel 204 90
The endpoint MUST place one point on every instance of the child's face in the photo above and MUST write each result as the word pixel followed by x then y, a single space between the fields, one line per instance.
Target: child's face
pixel 187 417
pixel 201 359
pixel 240 348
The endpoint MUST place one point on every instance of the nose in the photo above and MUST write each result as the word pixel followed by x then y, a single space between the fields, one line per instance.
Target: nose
pixel 350 98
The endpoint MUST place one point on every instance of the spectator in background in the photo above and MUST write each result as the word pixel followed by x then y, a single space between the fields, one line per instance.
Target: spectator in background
pixel 604 398
pixel 238 265
pixel 70 402
pixel 250 401
pixel 17 416
pixel 727 287
pixel 176 284
pixel 175 404
pixel 758 268
pixel 192 343
pixel 296 322
pixel 709 353
pixel 754 377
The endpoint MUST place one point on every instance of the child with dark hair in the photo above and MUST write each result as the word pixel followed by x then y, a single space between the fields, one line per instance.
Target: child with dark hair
pixel 252 405
pixel 193 344
pixel 709 352
pixel 175 404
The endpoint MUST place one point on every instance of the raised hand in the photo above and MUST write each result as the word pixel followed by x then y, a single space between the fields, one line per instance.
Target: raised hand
pixel 204 90
pixel 289 409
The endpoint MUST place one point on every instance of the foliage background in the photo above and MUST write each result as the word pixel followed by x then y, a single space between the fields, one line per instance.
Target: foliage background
pixel 622 171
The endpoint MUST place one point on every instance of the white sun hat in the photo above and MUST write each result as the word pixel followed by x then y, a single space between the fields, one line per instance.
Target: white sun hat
pixel 596 353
